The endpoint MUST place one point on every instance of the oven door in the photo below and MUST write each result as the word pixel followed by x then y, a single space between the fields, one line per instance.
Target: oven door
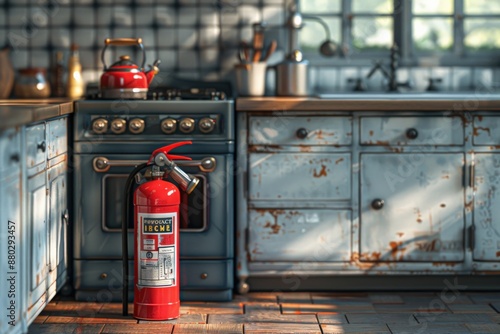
pixel 206 215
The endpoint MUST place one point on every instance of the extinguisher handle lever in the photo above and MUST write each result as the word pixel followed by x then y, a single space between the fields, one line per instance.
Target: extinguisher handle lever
pixel 168 148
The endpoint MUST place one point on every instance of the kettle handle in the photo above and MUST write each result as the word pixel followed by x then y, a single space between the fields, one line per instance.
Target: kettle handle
pixel 123 42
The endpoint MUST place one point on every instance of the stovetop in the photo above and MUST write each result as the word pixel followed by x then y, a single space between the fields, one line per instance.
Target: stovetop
pixel 175 89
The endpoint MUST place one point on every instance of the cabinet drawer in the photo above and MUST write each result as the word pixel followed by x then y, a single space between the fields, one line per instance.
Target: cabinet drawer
pixel 36 146
pixel 486 130
pixel 102 274
pixel 10 151
pixel 57 140
pixel 310 235
pixel 214 274
pixel 300 176
pixel 411 131
pixel 300 130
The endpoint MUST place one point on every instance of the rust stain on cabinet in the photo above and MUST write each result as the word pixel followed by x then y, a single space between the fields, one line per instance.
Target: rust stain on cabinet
pixel 396 249
pixel 321 173
pixel 477 129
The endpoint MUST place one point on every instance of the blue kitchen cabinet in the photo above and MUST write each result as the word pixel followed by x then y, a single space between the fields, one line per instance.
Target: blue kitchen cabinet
pixel 12 253
pixel 46 211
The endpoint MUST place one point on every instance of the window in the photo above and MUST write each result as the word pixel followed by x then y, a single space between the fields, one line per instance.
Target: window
pixel 455 32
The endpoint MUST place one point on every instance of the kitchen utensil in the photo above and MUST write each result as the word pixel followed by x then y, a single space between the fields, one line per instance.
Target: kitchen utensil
pixel 292 76
pixel 244 52
pixel 31 83
pixel 6 74
pixel 124 79
pixel 258 41
pixel 270 50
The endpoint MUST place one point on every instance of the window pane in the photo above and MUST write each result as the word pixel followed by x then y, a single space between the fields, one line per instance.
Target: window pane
pixel 313 34
pixel 433 6
pixel 372 6
pixel 482 7
pixel 432 34
pixel 372 33
pixel 482 34
pixel 320 6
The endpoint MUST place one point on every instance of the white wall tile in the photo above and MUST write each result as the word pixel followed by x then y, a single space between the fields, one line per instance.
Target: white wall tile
pixel 17 16
pixel 482 77
pixel 19 58
pixel 123 16
pixel 188 16
pixel 60 38
pixel 444 74
pixel 40 38
pixel 61 17
pixel 188 60
pixel 166 38
pixel 165 16
pixel 273 15
pixel 420 77
pixel 84 37
pixel 39 58
pixel 249 14
pixel 168 60
pixel 147 35
pixel 38 18
pixel 209 16
pixel 144 15
pixel 187 37
pixel 209 58
pixel 84 16
pixel 209 37
pixel 104 16
pixel 461 78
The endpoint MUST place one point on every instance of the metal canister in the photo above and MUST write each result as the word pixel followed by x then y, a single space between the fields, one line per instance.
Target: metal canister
pixel 292 76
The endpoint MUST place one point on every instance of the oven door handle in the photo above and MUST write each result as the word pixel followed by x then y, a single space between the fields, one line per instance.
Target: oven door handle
pixel 103 164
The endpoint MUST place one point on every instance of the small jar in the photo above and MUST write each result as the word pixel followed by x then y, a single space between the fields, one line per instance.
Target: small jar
pixel 32 83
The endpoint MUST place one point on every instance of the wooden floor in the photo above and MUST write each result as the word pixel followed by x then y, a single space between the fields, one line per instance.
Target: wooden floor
pixel 417 312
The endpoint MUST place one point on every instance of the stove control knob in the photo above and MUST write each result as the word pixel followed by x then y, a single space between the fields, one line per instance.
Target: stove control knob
pixel 118 125
pixel 100 125
pixel 206 125
pixel 186 125
pixel 168 125
pixel 136 126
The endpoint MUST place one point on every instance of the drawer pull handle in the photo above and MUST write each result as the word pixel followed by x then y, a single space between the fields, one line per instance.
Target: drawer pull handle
pixel 378 204
pixel 204 276
pixel 302 133
pixel 412 133
pixel 15 157
pixel 42 146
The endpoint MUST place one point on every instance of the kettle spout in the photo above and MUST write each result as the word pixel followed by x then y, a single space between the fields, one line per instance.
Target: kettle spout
pixel 152 71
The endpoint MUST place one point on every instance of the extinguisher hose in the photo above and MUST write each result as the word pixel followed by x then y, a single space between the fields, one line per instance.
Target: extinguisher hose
pixel 125 222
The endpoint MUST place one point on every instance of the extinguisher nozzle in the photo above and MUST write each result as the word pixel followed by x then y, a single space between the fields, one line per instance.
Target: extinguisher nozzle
pixel 190 187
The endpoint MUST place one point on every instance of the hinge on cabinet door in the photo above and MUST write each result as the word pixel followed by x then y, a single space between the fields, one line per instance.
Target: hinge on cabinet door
pixel 471 236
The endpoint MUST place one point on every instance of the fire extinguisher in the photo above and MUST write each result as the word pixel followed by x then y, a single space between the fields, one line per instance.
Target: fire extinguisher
pixel 156 236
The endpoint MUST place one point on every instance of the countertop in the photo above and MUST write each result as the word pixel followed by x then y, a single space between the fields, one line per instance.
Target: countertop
pixel 456 101
pixel 18 112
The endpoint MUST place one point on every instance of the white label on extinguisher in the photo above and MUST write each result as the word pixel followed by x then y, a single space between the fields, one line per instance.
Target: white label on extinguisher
pixel 157 253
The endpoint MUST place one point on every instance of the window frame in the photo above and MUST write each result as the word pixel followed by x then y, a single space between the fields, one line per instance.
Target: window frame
pixel 403 37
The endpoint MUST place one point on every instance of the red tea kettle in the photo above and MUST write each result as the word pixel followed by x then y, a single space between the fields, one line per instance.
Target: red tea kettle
pixel 124 79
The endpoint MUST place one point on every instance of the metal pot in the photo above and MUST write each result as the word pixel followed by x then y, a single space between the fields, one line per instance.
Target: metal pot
pixel 124 79
pixel 292 76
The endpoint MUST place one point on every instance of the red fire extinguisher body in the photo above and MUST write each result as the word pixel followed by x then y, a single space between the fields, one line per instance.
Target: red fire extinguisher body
pixel 156 251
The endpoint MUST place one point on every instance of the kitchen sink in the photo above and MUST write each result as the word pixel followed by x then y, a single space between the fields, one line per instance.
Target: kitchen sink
pixel 458 95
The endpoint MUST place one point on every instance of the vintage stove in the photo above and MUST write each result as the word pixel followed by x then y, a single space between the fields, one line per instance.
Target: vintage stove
pixel 111 137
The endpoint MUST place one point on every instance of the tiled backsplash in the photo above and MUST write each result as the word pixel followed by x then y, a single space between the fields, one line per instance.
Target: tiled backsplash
pixel 192 38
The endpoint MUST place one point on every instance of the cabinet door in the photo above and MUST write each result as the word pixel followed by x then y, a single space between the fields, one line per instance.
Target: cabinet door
pixel 37 233
pixel 486 208
pixel 307 235
pixel 412 207
pixel 57 140
pixel 36 148
pixel 58 212
pixel 11 255
pixel 301 176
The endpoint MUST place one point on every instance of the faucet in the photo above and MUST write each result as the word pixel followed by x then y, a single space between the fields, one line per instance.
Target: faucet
pixel 391 75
